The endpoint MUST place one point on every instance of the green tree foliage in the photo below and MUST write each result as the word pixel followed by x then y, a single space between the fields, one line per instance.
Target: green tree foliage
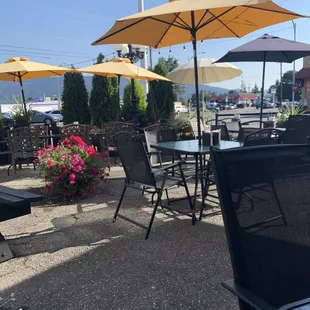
pixel 255 89
pixel 243 87
pixel 127 103
pixel 75 106
pixel 161 97
pixel 287 82
pixel 104 105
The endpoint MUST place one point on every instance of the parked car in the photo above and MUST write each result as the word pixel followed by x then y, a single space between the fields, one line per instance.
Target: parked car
pixel 214 106
pixel 40 117
pixel 266 104
pixel 8 120
pixel 56 115
pixel 180 108
pixel 232 106
pixel 290 104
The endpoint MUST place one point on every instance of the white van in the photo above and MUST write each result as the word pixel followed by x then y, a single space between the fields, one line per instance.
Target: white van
pixel 180 108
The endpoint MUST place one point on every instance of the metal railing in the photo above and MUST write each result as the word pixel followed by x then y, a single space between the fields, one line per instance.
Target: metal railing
pixel 227 116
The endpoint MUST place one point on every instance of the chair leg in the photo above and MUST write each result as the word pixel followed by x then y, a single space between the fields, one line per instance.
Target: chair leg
pixel 158 202
pixel 206 189
pixel 119 203
pixel 188 196
pixel 166 190
pixel 274 191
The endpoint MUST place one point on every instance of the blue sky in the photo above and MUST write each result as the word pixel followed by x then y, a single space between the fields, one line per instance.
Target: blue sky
pixel 59 32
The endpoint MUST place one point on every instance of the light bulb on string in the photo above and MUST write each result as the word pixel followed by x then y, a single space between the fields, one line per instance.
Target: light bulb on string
pixel 184 48
pixel 201 42
pixel 170 51
pixel 158 52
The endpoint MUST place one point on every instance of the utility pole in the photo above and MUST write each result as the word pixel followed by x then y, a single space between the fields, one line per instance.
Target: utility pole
pixel 144 60
pixel 151 58
pixel 281 84
pixel 294 66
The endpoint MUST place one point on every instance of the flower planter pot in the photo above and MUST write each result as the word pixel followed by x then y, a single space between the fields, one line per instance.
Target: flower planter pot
pixel 21 123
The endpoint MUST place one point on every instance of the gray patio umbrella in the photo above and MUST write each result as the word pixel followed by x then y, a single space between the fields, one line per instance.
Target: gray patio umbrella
pixel 267 48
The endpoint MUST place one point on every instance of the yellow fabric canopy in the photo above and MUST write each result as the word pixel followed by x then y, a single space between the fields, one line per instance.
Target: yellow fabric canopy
pixel 182 21
pixel 121 67
pixel 20 67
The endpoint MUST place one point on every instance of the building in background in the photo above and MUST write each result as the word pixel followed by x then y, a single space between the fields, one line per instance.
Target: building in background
pixel 303 76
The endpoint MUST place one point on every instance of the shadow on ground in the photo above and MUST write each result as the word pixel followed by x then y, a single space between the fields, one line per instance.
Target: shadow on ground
pixel 179 267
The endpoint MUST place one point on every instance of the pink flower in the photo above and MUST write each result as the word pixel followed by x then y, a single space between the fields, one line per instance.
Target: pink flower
pixel 78 168
pixel 57 181
pixel 72 182
pixel 49 162
pixel 72 177
pixel 49 188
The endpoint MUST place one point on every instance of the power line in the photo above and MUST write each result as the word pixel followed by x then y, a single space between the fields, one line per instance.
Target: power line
pixel 43 50
pixel 41 54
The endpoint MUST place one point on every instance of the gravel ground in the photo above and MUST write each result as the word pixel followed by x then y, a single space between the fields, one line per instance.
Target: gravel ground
pixel 71 256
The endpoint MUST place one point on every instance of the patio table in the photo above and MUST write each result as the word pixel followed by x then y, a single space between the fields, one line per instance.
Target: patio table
pixel 192 147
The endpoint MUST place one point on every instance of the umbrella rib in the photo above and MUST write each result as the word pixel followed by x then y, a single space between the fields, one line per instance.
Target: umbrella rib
pixel 203 16
pixel 285 55
pixel 170 25
pixel 120 30
pixel 225 25
pixel 58 74
pixel 183 21
pixel 271 11
pixel 213 19
pixel 164 22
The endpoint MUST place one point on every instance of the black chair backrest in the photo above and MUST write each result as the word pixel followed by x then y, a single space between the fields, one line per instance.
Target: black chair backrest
pixel 297 130
pixel 160 133
pixel 79 130
pixel 264 136
pixel 270 259
pixel 224 130
pixel 134 158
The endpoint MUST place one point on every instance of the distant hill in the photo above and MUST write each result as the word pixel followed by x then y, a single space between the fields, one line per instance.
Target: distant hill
pixel 49 88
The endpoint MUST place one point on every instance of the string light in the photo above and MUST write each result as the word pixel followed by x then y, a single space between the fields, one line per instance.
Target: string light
pixel 170 50
pixel 158 52
pixel 201 42
pixel 184 48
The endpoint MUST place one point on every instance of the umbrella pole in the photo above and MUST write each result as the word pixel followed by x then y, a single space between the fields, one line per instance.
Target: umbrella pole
pixel 118 96
pixel 23 95
pixel 262 93
pixel 193 32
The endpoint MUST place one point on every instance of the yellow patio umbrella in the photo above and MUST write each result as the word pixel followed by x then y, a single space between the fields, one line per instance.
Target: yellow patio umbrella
pixel 182 21
pixel 122 67
pixel 17 69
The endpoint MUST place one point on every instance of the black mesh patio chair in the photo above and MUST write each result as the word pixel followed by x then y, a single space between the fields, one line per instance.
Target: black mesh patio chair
pixel 269 246
pixel 110 130
pixel 160 133
pixel 264 136
pixel 233 128
pixel 247 128
pixel 140 174
pixel 297 130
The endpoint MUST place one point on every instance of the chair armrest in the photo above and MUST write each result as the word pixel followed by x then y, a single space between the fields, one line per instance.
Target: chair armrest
pixel 246 296
pixel 296 305
pixel 153 153
pixel 154 171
